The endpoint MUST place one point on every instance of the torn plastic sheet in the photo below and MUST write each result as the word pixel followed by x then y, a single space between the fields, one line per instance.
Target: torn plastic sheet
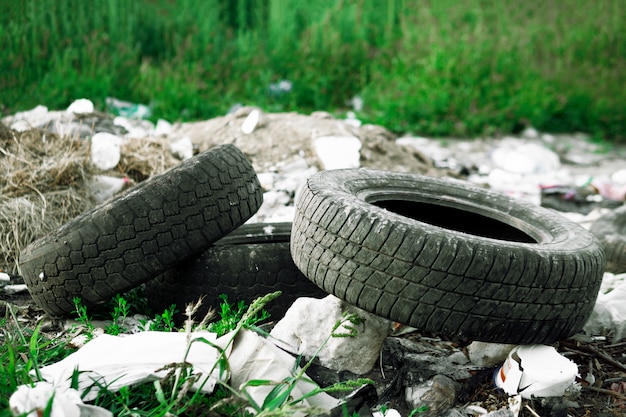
pixel 536 371
pixel 118 361
pixel 609 312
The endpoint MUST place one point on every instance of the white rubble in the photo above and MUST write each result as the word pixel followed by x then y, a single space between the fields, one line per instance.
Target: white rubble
pixel 336 152
pixel 163 128
pixel 307 327
pixel 182 148
pixel 105 150
pixel 81 106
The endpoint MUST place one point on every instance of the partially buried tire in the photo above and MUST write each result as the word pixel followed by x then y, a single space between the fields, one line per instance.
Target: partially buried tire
pixel 445 256
pixel 250 262
pixel 143 232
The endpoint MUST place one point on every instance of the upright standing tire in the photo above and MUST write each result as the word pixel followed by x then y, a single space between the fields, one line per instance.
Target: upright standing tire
pixel 250 262
pixel 445 256
pixel 143 232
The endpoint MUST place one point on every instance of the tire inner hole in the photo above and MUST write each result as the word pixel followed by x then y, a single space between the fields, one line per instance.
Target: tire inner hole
pixel 455 219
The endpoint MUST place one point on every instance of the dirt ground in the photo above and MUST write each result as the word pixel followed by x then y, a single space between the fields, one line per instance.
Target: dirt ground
pixel 279 139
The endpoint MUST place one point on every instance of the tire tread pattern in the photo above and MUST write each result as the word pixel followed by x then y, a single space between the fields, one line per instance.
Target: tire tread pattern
pixel 145 231
pixel 438 281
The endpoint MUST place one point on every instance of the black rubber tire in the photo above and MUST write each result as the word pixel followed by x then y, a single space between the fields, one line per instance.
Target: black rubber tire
pixel 445 256
pixel 143 232
pixel 250 262
pixel 610 230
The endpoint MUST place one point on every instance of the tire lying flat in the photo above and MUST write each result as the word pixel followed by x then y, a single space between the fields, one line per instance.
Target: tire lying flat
pixel 250 262
pixel 143 232
pixel 445 256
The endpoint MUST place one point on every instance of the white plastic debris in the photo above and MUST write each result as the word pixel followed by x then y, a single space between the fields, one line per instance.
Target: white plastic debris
pixel 105 150
pixel 116 362
pixel 182 148
pixel 105 186
pixel 15 289
pixel 609 312
pixel 33 401
pixel 4 278
pixel 390 412
pixel 525 158
pixel 119 361
pixel 81 106
pixel 336 152
pixel 536 371
pixel 309 322
pixel 438 395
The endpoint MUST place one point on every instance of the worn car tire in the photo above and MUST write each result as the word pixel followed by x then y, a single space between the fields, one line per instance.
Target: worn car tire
pixel 610 230
pixel 250 262
pixel 445 256
pixel 140 233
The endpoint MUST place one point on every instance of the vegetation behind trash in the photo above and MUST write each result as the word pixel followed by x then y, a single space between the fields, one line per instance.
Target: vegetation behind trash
pixel 432 68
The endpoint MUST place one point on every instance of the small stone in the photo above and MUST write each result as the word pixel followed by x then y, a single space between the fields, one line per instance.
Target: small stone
pixel 488 354
pixel 307 326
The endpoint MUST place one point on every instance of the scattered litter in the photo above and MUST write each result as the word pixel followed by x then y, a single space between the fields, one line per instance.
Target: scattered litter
pixel 162 128
pixel 105 150
pixel 4 278
pixel 182 148
pixel 435 397
pixel 33 402
pixel 15 289
pixel 336 152
pixel 609 312
pixel 81 106
pixel 280 88
pixel 128 109
pixel 120 361
pixel 104 187
pixel 536 371
pixel 518 157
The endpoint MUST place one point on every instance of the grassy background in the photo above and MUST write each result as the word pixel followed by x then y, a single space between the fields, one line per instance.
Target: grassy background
pixel 429 67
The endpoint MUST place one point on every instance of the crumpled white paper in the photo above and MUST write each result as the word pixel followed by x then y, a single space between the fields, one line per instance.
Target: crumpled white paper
pixel 117 361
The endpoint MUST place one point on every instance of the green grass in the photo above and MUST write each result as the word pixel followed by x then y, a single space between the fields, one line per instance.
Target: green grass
pixel 433 68
pixel 23 351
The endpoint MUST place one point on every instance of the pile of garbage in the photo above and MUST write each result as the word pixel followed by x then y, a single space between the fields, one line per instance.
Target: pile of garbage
pixel 105 154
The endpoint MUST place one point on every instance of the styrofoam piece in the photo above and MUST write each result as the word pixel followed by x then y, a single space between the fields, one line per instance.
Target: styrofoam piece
pixel 536 371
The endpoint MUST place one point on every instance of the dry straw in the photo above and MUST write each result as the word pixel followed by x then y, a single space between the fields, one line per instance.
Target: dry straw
pixel 44 182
